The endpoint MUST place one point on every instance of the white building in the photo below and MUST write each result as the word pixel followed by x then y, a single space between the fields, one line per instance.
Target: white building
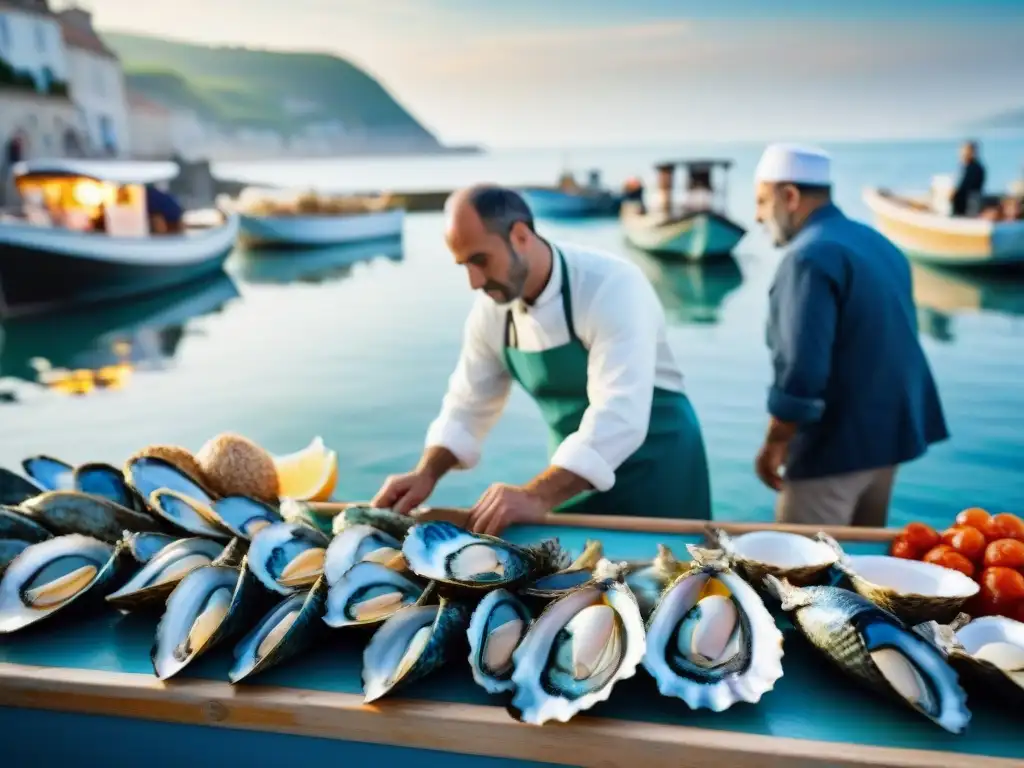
pixel 31 46
pixel 97 85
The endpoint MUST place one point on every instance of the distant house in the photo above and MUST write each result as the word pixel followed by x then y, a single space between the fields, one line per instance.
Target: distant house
pixel 97 85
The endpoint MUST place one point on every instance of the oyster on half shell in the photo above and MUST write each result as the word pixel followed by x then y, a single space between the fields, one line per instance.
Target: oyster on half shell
pixel 143 546
pixel 108 482
pixel 49 473
pixel 158 578
pixel 798 559
pixel 441 551
pixel 496 628
pixel 577 649
pixel 875 648
pixel 287 557
pixel 361 543
pixel 183 513
pixel 368 593
pixel 386 520
pixel 915 591
pixel 55 574
pixel 711 641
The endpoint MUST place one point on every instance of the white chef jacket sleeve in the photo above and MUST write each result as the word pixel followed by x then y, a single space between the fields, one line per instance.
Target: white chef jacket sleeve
pixel 620 328
pixel 477 392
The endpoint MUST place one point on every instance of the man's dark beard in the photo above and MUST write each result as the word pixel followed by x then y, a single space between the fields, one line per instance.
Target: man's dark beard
pixel 517 274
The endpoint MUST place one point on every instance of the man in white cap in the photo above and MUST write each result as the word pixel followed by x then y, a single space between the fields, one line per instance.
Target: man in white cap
pixel 852 395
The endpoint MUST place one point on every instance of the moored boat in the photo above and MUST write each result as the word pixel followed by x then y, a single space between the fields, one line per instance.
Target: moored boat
pixel 695 230
pixel 83 236
pixel 929 235
pixel 570 200
pixel 311 220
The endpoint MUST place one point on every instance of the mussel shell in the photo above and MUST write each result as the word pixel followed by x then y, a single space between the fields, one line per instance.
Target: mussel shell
pixel 214 603
pixel 98 566
pixel 107 481
pixel 558 584
pixel 490 655
pixel 158 578
pixel 411 644
pixel 10 549
pixel 51 474
pixel 278 548
pixel 144 545
pixel 287 629
pixel 66 512
pixel 368 581
pixel 244 516
pixel 15 489
pixel 16 525
pixel 387 520
pixel 187 514
pixel 443 552
pixel 147 474
pixel 359 543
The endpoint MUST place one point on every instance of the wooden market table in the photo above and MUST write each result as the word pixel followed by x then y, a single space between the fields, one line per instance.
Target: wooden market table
pixel 86 694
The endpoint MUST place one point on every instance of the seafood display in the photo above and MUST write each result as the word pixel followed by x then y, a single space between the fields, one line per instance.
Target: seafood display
pixel 216 562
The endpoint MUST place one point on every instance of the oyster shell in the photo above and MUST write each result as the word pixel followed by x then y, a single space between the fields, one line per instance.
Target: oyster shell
pixel 158 578
pixel 361 543
pixel 799 559
pixel 913 590
pixel 577 649
pixel 496 628
pixel 711 641
pixel 143 546
pixel 51 474
pixel 287 557
pixel 15 525
pixel 412 643
pixel 875 648
pixel 107 481
pixel 244 516
pixel 187 514
pixel 386 520
pixel 368 593
pixel 648 579
pixel 289 628
pixel 15 489
pixel 54 575
pixel 147 474
pixel 64 512
pixel 443 552
pixel 579 572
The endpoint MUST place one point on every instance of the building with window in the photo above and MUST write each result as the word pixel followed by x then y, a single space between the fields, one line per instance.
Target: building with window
pixel 97 86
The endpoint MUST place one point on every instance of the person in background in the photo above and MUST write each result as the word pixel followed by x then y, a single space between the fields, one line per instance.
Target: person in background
pixel 14 153
pixel 166 216
pixel 852 395
pixel 583 333
pixel 969 191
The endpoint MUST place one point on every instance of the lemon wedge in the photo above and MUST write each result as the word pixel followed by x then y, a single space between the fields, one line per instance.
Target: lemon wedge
pixel 309 474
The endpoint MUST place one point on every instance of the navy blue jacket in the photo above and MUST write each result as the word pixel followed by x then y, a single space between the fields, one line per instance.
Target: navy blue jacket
pixel 848 363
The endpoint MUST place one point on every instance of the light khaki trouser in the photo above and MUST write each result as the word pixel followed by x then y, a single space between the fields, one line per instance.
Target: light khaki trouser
pixel 855 498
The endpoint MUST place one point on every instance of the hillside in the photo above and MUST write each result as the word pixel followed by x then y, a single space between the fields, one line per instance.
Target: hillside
pixel 1012 120
pixel 241 87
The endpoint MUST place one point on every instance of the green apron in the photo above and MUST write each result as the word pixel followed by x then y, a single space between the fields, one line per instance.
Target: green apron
pixel 667 476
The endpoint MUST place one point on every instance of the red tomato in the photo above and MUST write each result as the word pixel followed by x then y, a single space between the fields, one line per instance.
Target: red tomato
pixel 1006 553
pixel 901 547
pixel 921 537
pixel 968 541
pixel 976 517
pixel 1002 591
pixel 948 557
pixel 1004 526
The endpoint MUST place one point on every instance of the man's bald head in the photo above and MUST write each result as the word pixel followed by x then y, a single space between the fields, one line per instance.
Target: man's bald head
pixel 488 228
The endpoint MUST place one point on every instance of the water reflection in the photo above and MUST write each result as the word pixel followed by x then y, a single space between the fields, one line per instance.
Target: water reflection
pixel 278 266
pixel 79 351
pixel 690 293
pixel 941 294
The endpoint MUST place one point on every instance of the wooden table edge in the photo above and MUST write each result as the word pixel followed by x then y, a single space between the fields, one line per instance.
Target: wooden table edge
pixel 450 727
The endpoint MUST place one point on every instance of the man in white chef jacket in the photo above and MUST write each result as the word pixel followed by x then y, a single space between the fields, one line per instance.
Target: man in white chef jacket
pixel 584 334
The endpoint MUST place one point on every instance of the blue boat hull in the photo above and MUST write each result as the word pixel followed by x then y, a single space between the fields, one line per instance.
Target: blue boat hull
pixel 556 204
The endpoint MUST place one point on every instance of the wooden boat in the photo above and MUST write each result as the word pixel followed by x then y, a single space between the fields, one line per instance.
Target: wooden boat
pixel 51 256
pixel 311 220
pixel 568 199
pixel 282 266
pixel 931 236
pixel 695 230
pixel 93 684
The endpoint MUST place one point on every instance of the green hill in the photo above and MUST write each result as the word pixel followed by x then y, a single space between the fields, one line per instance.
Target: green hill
pixel 242 87
pixel 1012 120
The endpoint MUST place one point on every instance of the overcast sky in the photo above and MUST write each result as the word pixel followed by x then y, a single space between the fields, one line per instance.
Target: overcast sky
pixel 560 72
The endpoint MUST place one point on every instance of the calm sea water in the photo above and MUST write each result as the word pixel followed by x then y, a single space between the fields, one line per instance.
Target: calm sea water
pixel 357 345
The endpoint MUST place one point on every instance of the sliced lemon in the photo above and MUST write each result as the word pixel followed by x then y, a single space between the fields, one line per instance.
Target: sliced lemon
pixel 309 474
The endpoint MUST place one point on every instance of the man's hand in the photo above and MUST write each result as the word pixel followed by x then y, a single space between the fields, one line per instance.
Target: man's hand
pixel 403 493
pixel 502 505
pixel 773 453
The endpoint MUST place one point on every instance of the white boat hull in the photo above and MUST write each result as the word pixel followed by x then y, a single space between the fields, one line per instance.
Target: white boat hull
pixel 943 240
pixel 323 230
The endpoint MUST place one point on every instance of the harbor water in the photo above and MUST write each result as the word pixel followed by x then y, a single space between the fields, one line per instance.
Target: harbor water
pixel 356 345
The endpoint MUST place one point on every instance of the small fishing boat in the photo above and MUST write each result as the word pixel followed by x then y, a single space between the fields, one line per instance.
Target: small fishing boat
pixel 695 230
pixel 568 199
pixel 83 236
pixel 311 220
pixel 925 232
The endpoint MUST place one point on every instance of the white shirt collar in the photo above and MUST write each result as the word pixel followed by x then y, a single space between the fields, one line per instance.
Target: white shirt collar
pixel 552 290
